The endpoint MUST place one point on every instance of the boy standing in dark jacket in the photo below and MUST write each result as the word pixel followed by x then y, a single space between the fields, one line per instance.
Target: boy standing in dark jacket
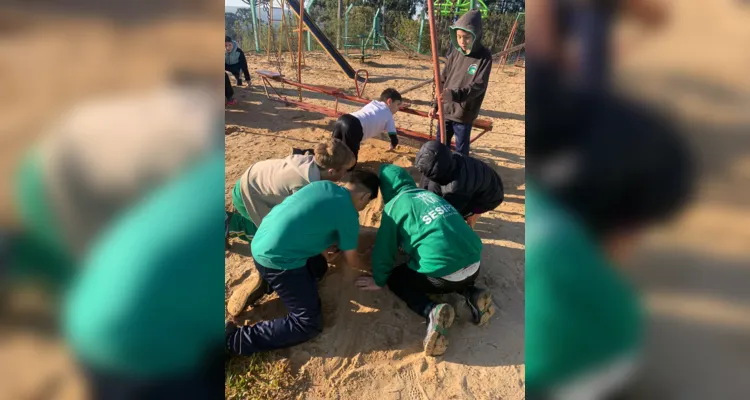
pixel 469 185
pixel 235 61
pixel 464 79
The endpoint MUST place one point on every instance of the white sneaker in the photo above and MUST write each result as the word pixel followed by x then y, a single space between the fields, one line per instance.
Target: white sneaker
pixel 440 319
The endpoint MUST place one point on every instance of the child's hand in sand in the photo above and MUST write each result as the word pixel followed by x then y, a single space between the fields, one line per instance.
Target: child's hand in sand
pixel 366 282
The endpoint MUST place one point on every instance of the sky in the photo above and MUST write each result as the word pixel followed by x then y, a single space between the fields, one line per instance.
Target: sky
pixel 235 3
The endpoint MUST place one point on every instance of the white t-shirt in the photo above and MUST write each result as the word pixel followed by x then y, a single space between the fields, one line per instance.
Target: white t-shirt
pixel 375 118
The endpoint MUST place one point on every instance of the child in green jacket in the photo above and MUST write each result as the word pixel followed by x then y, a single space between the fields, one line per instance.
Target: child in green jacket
pixel 444 256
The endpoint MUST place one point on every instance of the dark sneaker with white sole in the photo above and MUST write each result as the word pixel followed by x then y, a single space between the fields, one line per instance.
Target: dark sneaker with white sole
pixel 480 303
pixel 440 319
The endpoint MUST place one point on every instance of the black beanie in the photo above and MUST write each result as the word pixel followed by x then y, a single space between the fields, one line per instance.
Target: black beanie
pixel 227 39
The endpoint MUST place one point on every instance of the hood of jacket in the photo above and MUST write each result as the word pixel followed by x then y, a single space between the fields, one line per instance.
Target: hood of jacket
pixel 232 57
pixel 394 180
pixel 470 22
pixel 435 161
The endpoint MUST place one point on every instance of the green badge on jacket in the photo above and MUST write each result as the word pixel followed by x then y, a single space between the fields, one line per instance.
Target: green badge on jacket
pixel 472 69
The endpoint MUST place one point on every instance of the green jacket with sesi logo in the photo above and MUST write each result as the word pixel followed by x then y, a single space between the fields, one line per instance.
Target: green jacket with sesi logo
pixel 424 225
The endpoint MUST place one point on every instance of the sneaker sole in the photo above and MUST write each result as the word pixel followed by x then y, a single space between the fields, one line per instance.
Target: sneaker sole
pixel 436 344
pixel 486 309
pixel 248 293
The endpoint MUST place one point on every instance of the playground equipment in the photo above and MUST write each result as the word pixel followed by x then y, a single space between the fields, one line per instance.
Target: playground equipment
pixel 421 29
pixel 437 87
pixel 376 33
pixel 309 5
pixel 269 10
pixel 321 38
pixel 363 55
pixel 285 31
pixel 361 41
pixel 269 77
pixel 509 42
pixel 254 12
pixel 505 53
pixel 449 8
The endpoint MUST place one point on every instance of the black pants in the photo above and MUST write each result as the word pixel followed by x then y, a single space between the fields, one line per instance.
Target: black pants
pixel 236 70
pixel 348 129
pixel 208 383
pixel 228 91
pixel 413 287
pixel 298 289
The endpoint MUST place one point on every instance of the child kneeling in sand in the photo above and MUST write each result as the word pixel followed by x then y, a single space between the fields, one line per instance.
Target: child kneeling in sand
pixel 287 252
pixel 444 256
pixel 267 183
pixel 369 121
pixel 264 186
pixel 471 186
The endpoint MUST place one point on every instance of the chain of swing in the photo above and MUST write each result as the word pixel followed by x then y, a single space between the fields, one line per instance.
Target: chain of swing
pixel 265 4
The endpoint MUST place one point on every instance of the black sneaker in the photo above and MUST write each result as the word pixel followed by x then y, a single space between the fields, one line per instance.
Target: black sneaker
pixel 480 303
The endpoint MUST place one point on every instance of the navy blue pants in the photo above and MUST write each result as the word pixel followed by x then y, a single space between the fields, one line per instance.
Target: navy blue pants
pixel 462 133
pixel 208 383
pixel 298 289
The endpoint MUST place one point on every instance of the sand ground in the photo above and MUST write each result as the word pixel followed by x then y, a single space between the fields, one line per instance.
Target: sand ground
pixel 53 56
pixel 694 274
pixel 371 344
pixel 695 279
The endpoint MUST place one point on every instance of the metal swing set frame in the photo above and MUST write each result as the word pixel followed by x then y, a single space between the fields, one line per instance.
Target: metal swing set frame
pixel 269 78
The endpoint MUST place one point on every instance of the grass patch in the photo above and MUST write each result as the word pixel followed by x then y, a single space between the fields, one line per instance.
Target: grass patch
pixel 260 376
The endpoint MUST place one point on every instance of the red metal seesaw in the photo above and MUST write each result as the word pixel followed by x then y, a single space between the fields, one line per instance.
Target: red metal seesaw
pixel 269 76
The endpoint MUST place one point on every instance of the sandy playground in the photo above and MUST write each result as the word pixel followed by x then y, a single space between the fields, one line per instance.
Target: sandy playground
pixel 371 344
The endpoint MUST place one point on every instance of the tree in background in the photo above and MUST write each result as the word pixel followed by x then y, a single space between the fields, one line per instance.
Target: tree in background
pixel 401 22
pixel 506 6
pixel 229 24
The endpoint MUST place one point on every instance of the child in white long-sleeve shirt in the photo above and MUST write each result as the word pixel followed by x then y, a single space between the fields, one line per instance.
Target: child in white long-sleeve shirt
pixel 369 121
